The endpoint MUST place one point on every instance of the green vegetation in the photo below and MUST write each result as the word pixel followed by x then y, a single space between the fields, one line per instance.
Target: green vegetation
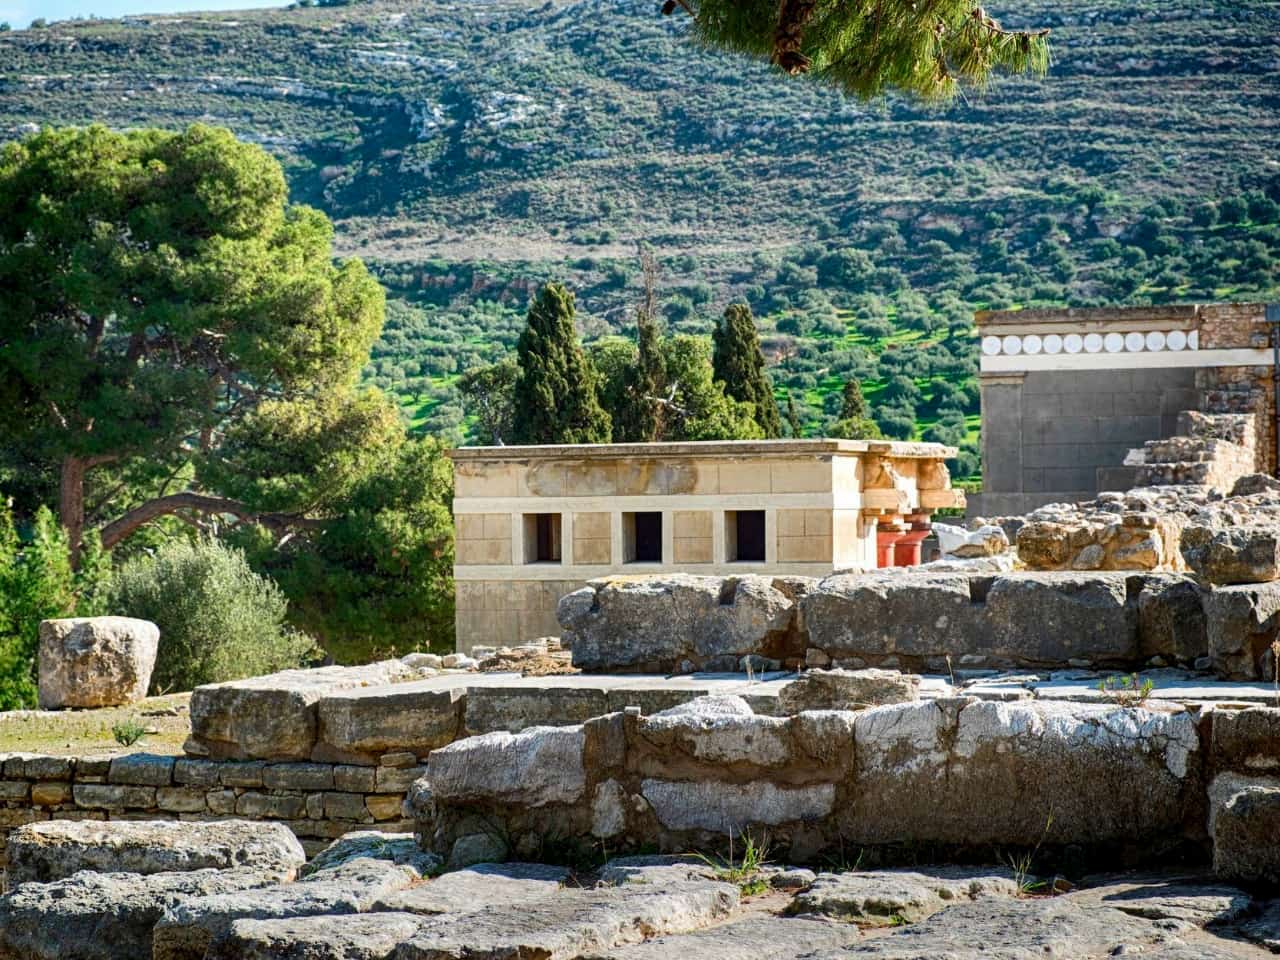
pixel 468 160
pixel 736 361
pixel 1128 691
pixel 218 619
pixel 128 732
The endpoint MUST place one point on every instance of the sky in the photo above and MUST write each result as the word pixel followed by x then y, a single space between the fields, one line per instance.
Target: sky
pixel 20 13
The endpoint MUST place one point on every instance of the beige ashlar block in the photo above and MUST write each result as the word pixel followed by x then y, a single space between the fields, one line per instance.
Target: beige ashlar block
pixel 744 478
pixel 469 594
pixel 497 526
pixel 691 524
pixel 591 551
pixel 591 526
pixel 469 526
pixel 693 550
pixel 487 479
pixel 804 549
pixel 591 479
pixel 817 523
pixel 479 552
pixel 895 501
pixel 706 477
pixel 801 476
pixel 791 523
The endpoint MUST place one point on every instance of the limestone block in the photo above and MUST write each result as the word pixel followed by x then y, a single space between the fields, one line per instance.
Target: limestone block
pixel 356 936
pixel 748 938
pixel 95 661
pixel 882 897
pixel 1236 554
pixel 298 776
pixel 190 928
pixel 104 916
pixel 986 541
pixel 977 773
pixel 887 613
pixel 847 690
pixel 110 796
pixel 274 717
pixel 1247 741
pixel 353 779
pixel 1245 829
pixel 478 887
pixel 1241 623
pixel 50 793
pixel 263 805
pixel 58 848
pixel 537 766
pixel 718 730
pixel 693 550
pixel 142 769
pixel 180 799
pixel 694 524
pixel 398 848
pixel 532 704
pixel 1171 620
pixel 632 623
pixel 720 808
pixel 47 768
pixel 1056 617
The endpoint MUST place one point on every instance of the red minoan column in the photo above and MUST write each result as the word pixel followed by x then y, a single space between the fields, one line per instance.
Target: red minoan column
pixel 887 537
pixel 906 552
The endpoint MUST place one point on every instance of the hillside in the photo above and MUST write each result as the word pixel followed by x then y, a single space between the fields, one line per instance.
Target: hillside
pixel 470 150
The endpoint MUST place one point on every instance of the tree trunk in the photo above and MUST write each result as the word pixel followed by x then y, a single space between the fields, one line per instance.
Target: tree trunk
pixel 71 504
pixel 122 527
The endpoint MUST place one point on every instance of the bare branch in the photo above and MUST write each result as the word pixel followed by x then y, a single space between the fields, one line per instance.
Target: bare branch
pixel 126 525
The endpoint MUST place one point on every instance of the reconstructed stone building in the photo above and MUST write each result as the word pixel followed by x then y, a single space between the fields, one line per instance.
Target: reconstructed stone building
pixel 535 523
pixel 1070 398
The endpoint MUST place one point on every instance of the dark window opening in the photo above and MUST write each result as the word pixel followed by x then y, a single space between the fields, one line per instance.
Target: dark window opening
pixel 542 537
pixel 642 537
pixel 745 536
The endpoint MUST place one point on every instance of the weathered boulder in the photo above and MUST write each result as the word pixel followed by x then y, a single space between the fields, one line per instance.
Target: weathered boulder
pixel 678 622
pixel 1234 554
pixel 979 774
pixel 986 541
pixel 893 896
pixel 275 717
pixel 1241 624
pixel 104 916
pixel 54 849
pixel 361 724
pixel 536 766
pixel 1245 832
pixel 188 929
pixel 95 661
pixel 847 690
pixel 735 808
pixel 720 730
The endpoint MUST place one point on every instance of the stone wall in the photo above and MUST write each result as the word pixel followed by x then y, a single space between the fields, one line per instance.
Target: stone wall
pixel 317 801
pixel 1115 784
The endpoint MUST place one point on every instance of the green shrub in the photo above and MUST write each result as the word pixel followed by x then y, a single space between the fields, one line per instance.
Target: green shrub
pixel 218 619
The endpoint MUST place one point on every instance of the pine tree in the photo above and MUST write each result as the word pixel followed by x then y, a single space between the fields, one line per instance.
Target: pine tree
pixel 738 363
pixel 930 50
pixel 555 393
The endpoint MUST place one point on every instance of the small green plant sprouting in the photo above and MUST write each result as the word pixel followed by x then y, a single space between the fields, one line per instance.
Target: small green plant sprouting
pixel 1128 691
pixel 897 920
pixel 128 732
pixel 744 872
pixel 1022 863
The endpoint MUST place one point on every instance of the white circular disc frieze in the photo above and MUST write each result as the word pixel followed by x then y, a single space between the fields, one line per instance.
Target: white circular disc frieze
pixel 1176 340
pixel 1093 343
pixel 1053 343
pixel 1155 340
pixel 1073 343
pixel 1032 343
pixel 1193 340
pixel 1113 343
pixel 1134 342
pixel 990 346
pixel 1011 345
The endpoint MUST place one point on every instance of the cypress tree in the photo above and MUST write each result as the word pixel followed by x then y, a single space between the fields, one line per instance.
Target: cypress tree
pixel 854 405
pixel 643 416
pixel 555 392
pixel 793 416
pixel 737 362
